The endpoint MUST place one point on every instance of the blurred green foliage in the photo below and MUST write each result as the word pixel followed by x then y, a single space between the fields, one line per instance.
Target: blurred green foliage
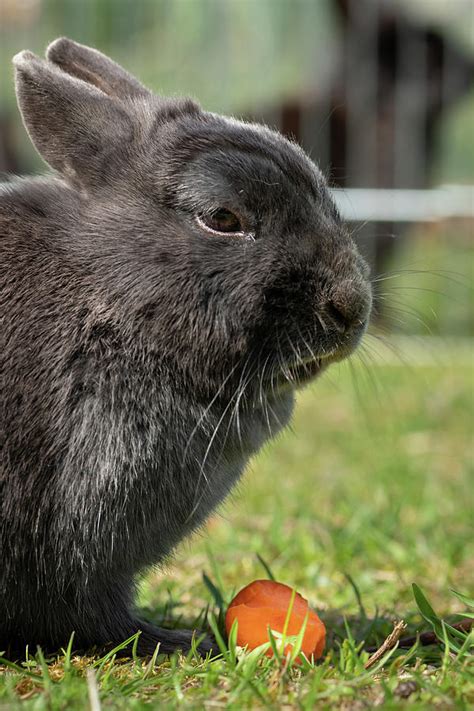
pixel 428 287
pixel 229 53
pixel 233 55
pixel 454 162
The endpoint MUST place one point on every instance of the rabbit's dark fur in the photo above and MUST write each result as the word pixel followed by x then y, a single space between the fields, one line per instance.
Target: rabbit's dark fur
pixel 143 358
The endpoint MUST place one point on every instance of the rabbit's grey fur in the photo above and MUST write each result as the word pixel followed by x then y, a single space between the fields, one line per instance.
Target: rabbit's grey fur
pixel 143 360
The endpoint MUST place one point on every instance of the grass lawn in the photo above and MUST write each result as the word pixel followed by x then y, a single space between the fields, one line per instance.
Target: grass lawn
pixel 370 492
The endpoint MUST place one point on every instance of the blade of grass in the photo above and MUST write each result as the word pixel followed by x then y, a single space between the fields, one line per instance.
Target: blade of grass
pixel 232 642
pixel 68 654
pixel 265 566
pixel 298 643
pixel 113 652
pixel 357 594
pixel 217 634
pixel 215 592
pixel 469 601
pixel 44 668
pixel 430 616
pixel 274 644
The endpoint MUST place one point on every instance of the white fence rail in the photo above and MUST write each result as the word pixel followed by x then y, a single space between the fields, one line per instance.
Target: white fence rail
pixel 378 205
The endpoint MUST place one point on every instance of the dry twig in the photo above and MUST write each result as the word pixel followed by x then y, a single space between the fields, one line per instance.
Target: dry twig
pixel 389 643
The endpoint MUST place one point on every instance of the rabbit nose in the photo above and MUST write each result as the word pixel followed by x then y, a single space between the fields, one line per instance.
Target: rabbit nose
pixel 349 306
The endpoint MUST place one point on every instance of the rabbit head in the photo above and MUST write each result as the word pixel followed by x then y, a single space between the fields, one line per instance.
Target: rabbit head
pixel 215 241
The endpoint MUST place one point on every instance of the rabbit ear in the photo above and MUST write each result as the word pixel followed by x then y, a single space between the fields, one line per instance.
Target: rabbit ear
pixel 75 127
pixel 95 68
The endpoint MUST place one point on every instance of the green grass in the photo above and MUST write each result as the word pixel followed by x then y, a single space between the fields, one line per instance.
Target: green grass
pixel 370 492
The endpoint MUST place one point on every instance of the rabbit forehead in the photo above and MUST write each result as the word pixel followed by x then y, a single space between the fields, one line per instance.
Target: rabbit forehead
pixel 223 137
pixel 234 178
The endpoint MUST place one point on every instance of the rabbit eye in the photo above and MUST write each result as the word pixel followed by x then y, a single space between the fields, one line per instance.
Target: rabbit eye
pixel 221 220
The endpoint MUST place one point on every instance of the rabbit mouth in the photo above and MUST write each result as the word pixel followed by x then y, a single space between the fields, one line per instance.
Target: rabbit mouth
pixel 305 372
pixel 297 375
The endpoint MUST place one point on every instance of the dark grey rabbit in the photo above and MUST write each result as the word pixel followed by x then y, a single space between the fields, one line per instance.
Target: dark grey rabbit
pixel 160 301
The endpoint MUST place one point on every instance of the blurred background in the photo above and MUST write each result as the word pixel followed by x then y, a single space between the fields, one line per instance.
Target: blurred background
pixel 381 95
pixel 379 92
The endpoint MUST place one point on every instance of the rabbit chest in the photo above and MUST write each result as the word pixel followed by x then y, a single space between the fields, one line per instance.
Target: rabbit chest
pixel 146 465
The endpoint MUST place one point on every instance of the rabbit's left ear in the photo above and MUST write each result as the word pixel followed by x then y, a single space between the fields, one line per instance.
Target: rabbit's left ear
pixel 95 68
pixel 76 128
